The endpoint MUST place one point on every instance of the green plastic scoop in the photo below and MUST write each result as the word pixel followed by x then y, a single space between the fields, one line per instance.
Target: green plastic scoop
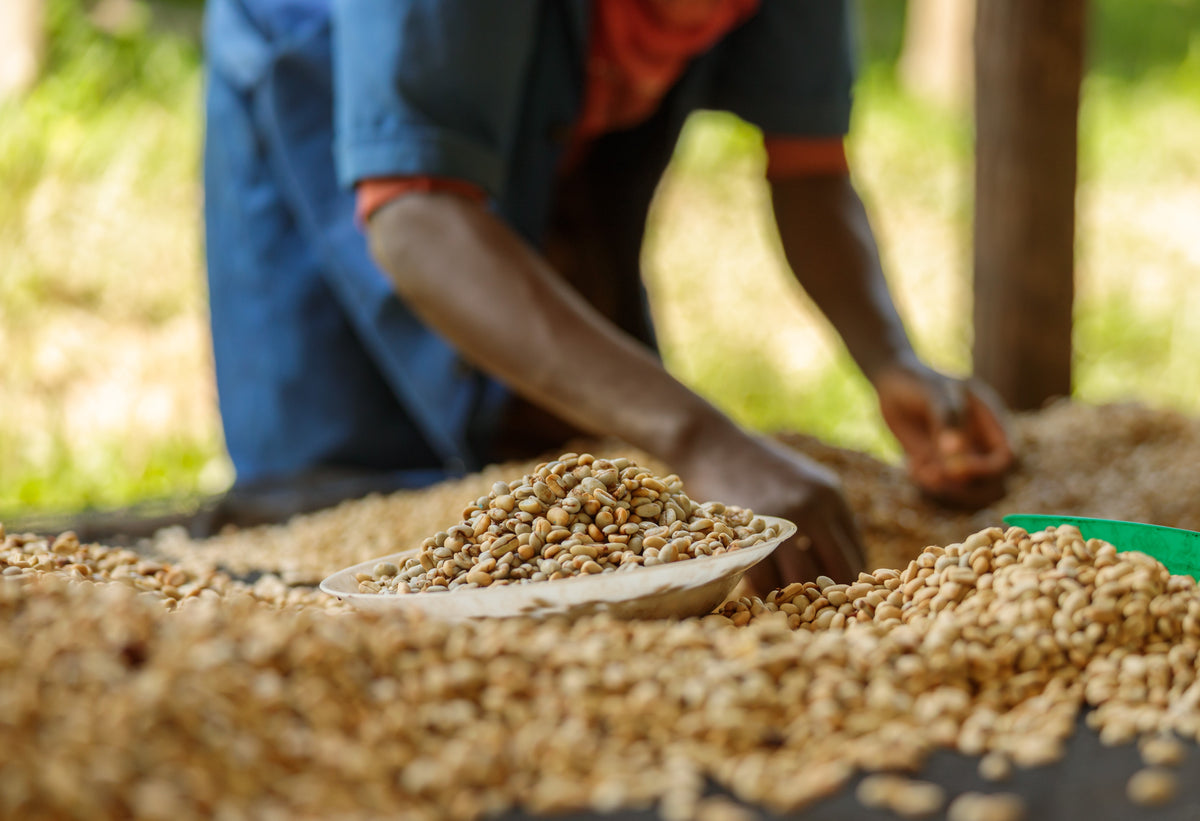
pixel 1178 550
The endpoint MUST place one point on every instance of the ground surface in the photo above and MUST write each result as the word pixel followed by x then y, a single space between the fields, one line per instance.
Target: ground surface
pixel 1087 785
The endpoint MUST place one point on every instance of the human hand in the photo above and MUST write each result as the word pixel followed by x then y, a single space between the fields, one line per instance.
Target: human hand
pixel 772 479
pixel 952 432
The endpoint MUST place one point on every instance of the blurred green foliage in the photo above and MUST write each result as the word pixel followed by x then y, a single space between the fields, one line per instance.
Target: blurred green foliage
pixel 104 475
pixel 98 87
pixel 129 60
pixel 98 165
pixel 1134 41
pixel 879 32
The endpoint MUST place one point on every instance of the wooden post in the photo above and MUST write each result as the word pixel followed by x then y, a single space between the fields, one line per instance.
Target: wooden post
pixel 1028 68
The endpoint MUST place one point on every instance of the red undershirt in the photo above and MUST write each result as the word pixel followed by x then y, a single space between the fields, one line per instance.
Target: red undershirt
pixel 639 49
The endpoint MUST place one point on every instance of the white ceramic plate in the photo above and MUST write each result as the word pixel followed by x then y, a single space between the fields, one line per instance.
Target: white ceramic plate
pixel 687 588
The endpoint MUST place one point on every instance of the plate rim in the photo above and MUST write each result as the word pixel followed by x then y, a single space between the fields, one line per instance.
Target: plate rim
pixel 788 529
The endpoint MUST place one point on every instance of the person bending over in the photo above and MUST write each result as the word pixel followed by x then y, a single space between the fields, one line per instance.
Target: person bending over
pixel 424 222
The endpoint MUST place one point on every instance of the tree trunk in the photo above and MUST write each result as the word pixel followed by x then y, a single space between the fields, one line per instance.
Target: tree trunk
pixel 1029 64
pixel 22 44
pixel 935 63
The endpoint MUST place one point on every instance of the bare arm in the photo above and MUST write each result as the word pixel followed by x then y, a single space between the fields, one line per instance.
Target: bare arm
pixel 501 305
pixel 829 244
pixel 952 431
pixel 473 280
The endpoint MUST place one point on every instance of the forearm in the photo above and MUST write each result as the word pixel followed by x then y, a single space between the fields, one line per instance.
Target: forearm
pixel 499 303
pixel 469 277
pixel 829 245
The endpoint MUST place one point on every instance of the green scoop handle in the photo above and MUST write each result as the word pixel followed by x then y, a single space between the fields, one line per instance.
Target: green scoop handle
pixel 1178 550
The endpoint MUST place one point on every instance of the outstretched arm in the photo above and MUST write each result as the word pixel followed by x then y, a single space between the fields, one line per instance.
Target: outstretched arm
pixel 952 431
pixel 494 298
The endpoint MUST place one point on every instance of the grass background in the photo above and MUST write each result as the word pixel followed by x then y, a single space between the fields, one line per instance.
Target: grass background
pixel 106 394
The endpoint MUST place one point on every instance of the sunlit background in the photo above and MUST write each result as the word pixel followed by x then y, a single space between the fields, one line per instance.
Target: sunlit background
pixel 106 389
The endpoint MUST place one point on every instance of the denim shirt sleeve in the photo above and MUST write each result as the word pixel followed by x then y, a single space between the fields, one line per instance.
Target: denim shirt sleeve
pixel 430 87
pixel 790 69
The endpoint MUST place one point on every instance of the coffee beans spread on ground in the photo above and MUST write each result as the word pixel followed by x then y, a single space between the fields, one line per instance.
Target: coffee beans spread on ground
pixel 243 702
pixel 190 680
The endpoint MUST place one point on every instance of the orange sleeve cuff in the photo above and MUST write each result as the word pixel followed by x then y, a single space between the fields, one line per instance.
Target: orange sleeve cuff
pixel 791 157
pixel 376 192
